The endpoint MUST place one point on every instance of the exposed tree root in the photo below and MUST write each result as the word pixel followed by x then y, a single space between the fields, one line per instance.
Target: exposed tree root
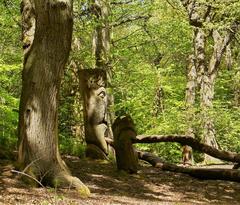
pixel 65 180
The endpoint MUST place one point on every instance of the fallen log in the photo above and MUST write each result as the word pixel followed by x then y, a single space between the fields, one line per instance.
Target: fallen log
pixel 195 144
pixel 200 173
pixel 204 173
pixel 152 159
pixel 125 136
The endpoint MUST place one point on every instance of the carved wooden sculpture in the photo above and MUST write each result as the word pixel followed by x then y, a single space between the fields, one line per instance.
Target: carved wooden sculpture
pixel 124 132
pixel 93 88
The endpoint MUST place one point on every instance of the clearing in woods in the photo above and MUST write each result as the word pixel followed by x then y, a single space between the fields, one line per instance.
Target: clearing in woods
pixel 108 186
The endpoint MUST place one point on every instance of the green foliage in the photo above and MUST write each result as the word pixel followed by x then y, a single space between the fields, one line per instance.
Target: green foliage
pixel 72 146
pixel 225 114
pixel 151 41
pixel 9 91
pixel 10 66
pixel 137 77
pixel 10 32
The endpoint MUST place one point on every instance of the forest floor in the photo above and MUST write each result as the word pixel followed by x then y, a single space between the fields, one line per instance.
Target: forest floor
pixel 108 186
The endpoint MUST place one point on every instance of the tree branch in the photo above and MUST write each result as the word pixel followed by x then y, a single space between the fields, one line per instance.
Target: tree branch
pixel 220 45
pixel 125 37
pixel 203 173
pixel 131 19
pixel 121 2
pixel 187 140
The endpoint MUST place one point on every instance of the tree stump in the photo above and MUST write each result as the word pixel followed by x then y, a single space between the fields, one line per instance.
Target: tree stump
pixel 124 132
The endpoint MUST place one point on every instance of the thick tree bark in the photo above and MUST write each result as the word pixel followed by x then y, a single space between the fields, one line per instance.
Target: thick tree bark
pixel 199 52
pixel 48 25
pixel 101 37
pixel 191 84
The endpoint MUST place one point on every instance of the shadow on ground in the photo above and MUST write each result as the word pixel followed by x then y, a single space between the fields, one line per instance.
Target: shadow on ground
pixel 152 186
pixel 108 186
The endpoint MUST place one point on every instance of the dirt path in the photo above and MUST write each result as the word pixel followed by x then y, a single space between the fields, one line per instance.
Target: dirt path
pixel 149 186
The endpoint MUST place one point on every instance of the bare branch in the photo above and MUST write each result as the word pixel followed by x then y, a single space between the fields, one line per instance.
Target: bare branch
pixel 131 19
pixel 187 140
pixel 27 175
pixel 125 37
pixel 121 2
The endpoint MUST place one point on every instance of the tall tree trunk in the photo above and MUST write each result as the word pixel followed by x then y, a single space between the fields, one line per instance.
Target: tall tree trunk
pixel 47 33
pixel 199 51
pixel 199 13
pixel 101 37
pixel 205 83
pixel 207 87
pixel 187 156
pixel 101 48
pixel 71 85
pixel 158 106
pixel 206 98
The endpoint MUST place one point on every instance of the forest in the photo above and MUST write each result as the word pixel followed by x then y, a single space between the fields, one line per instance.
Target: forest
pixel 119 102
